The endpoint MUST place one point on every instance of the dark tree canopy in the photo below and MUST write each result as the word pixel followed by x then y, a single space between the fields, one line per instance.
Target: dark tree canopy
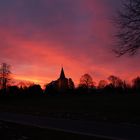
pixel 115 81
pixel 128 25
pixel 136 82
pixel 71 83
pixel 86 81
pixel 102 84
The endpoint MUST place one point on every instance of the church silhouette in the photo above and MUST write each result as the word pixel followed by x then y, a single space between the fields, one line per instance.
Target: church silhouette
pixel 62 83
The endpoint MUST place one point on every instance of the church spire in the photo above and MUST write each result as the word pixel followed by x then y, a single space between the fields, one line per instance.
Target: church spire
pixel 62 74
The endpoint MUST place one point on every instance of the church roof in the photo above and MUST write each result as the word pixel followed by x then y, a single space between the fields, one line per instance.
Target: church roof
pixel 62 74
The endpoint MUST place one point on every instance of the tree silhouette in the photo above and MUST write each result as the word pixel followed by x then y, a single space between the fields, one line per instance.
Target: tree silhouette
pixel 71 83
pixel 4 76
pixel 128 23
pixel 115 81
pixel 25 84
pixel 136 83
pixel 13 91
pixel 102 84
pixel 34 90
pixel 86 81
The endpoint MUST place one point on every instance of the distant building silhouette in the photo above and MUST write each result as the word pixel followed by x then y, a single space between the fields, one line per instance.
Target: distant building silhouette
pixel 61 84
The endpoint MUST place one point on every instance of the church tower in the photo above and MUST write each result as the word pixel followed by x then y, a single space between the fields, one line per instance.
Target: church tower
pixel 62 84
pixel 62 81
pixel 62 74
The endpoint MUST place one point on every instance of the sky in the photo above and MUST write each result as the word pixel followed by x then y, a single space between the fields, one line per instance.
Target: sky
pixel 38 37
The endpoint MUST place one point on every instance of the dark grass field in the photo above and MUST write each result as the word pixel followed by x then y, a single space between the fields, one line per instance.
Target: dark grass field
pixel 119 108
pixel 11 131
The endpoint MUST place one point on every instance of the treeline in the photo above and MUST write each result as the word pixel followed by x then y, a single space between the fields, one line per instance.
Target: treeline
pixel 113 85
pixel 116 86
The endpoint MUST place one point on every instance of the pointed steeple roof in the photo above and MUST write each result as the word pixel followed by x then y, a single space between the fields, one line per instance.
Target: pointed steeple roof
pixel 62 74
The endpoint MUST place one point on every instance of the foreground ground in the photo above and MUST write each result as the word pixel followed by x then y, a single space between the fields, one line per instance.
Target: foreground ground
pixel 12 131
pixel 120 108
pixel 110 108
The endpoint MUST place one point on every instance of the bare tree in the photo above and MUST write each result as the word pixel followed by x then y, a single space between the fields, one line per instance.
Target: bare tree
pixel 86 81
pixel 128 25
pixel 4 75
pixel 25 84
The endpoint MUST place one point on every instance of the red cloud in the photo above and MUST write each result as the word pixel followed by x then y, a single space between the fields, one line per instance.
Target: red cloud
pixel 81 46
